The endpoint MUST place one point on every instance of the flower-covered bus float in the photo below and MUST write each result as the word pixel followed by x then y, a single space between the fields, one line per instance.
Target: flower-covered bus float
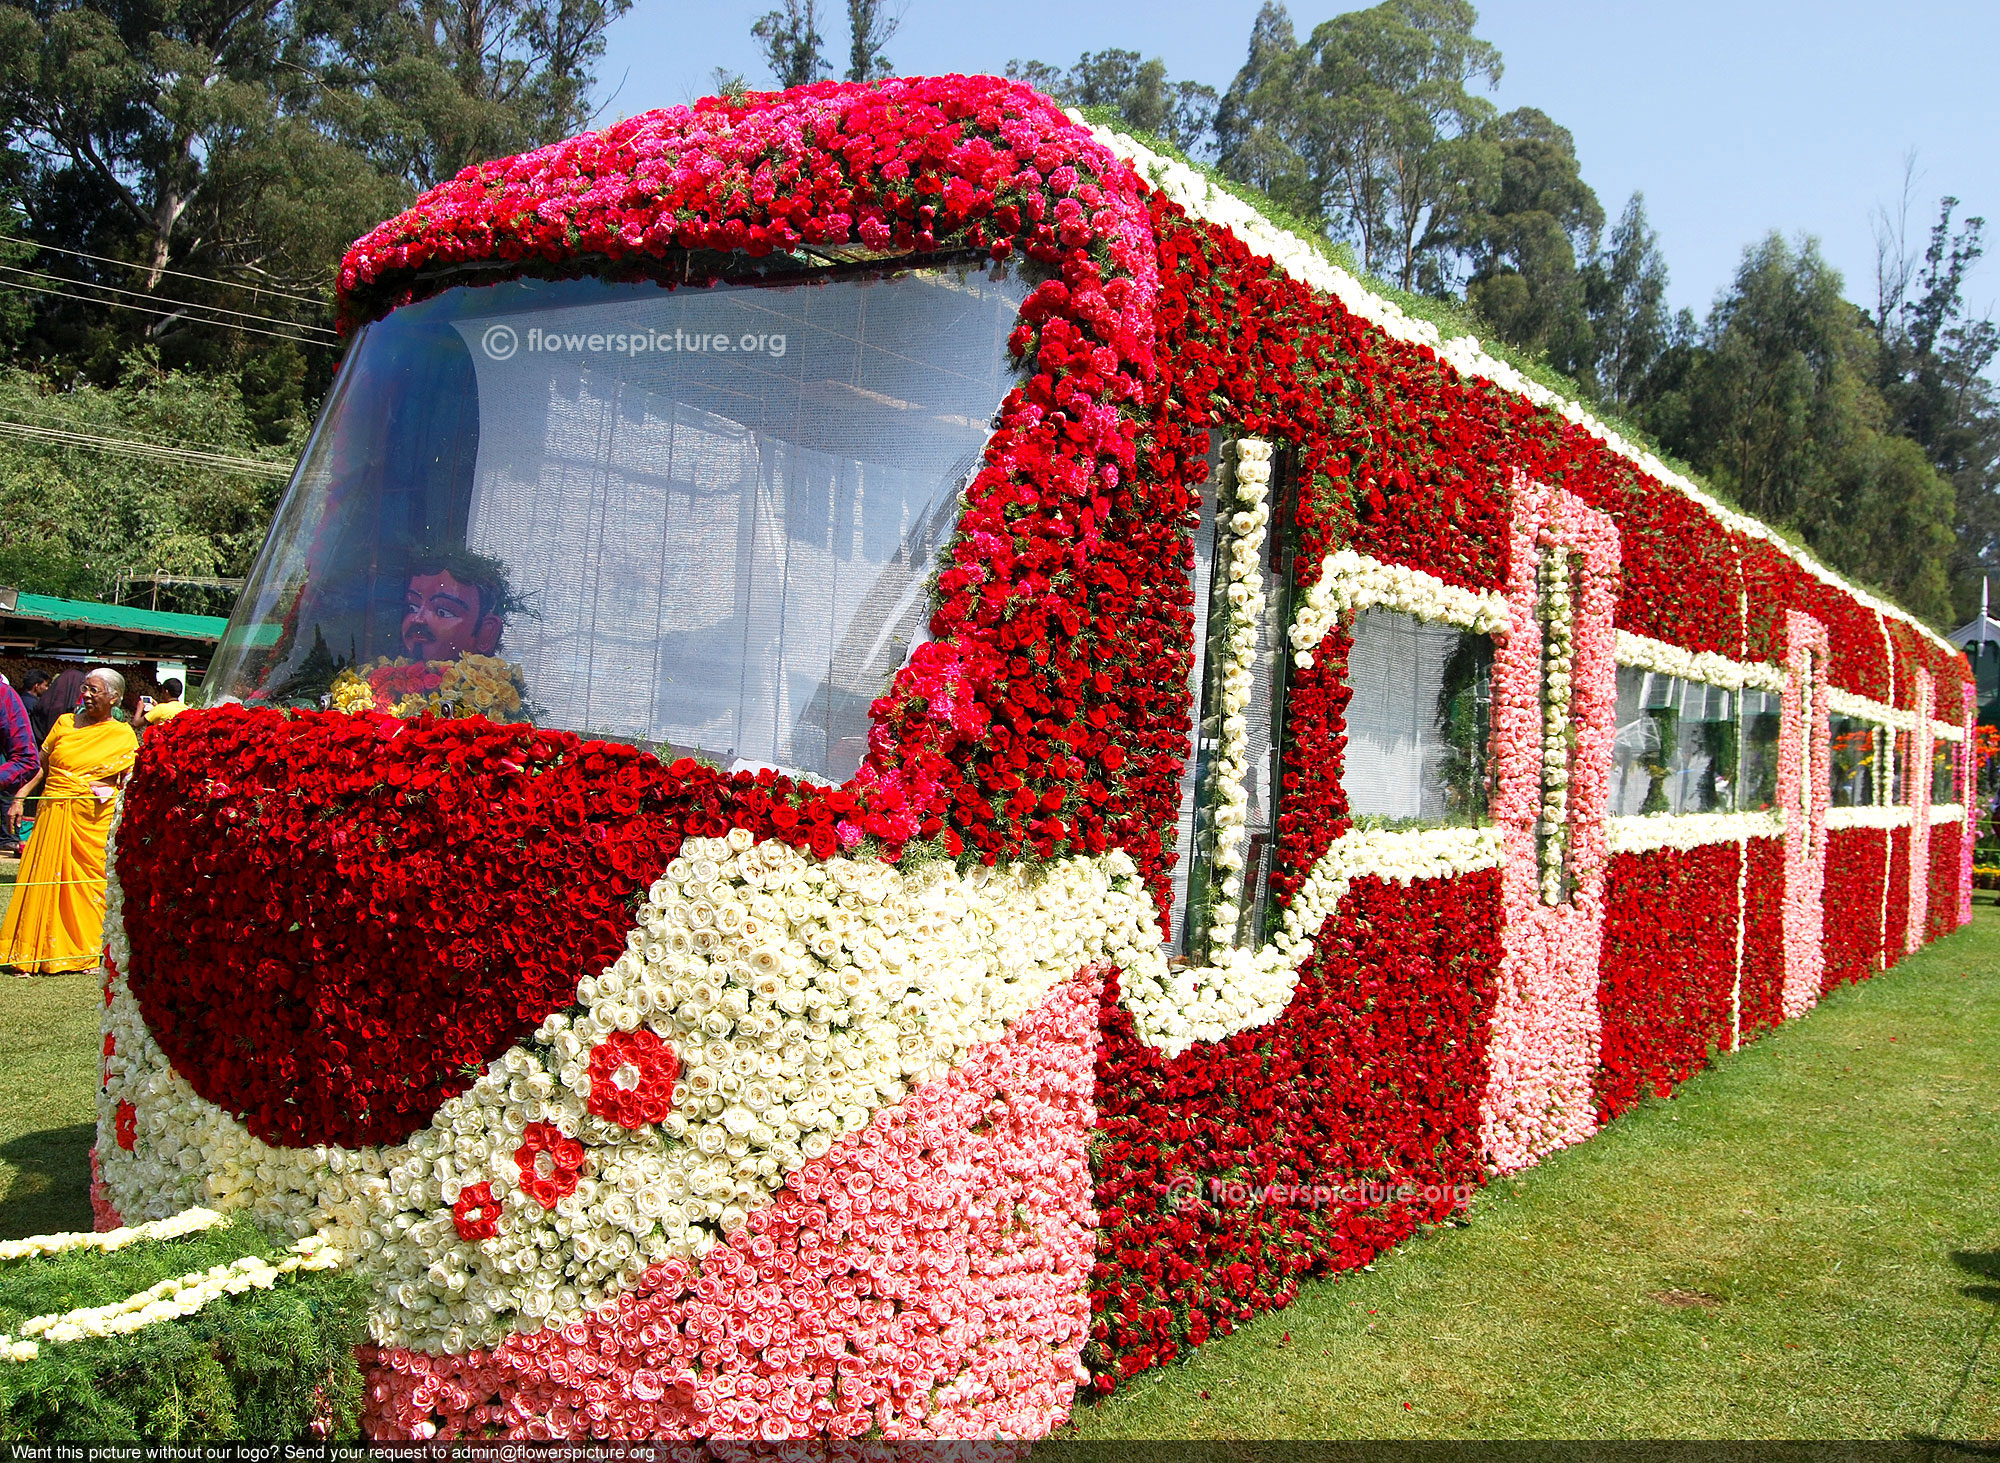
pixel 890 761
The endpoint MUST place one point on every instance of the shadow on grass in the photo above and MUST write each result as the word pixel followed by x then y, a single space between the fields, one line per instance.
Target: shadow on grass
pixel 1986 1265
pixel 51 1187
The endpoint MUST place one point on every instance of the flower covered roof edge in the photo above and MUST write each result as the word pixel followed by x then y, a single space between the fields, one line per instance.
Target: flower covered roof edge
pixel 1203 200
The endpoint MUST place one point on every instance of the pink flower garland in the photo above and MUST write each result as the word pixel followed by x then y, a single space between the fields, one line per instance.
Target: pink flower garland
pixel 925 1278
pixel 1546 1024
pixel 1803 750
pixel 1917 778
pixel 1968 771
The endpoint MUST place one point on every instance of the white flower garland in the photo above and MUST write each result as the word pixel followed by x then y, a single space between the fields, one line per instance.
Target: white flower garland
pixel 1173 1007
pixel 1645 653
pixel 1643 833
pixel 1876 816
pixel 1304 263
pixel 178 1226
pixel 1349 581
pixel 170 1299
pixel 1947 731
pixel 1847 703
pixel 1229 794
pixel 1947 813
pixel 1558 616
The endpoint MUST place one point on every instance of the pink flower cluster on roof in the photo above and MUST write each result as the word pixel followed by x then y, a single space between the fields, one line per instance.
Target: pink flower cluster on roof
pixel 904 164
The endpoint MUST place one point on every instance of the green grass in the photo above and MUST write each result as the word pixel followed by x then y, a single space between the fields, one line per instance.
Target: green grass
pixel 49 1045
pixel 1805 1242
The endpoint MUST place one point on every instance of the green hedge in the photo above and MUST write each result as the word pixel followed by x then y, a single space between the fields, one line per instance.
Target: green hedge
pixel 264 1364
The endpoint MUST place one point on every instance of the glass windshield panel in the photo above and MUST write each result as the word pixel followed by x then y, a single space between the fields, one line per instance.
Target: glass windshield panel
pixel 1418 725
pixel 698 518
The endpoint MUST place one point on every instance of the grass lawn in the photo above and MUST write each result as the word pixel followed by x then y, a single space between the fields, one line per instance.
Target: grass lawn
pixel 1804 1242
pixel 49 1045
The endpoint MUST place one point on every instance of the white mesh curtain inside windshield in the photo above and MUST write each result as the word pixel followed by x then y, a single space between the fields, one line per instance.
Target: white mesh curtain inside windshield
pixel 730 554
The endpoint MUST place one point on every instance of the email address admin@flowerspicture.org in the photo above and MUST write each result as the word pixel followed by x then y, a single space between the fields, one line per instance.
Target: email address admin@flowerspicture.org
pixel 503 342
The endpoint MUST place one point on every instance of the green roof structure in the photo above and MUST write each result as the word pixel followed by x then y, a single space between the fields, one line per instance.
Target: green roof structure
pixel 41 624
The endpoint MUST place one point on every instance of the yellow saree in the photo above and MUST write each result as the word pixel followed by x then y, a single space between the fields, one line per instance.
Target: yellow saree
pixel 56 919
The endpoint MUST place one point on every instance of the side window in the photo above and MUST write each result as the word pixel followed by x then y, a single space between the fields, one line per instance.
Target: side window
pixel 1677 746
pixel 1419 725
pixel 1757 750
pixel 1242 584
pixel 1944 772
pixel 1853 749
pixel 1901 794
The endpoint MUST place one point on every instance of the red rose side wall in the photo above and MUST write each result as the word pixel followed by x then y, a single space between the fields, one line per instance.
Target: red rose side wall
pixel 398 983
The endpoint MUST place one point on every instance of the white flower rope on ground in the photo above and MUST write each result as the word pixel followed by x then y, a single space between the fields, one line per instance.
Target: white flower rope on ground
pixel 167 1300
pixel 177 1226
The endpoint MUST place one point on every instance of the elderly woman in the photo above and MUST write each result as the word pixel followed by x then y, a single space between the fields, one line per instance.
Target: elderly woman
pixel 56 920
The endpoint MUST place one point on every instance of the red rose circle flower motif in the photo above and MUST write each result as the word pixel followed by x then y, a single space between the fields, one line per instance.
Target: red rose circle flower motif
pixel 632 1076
pixel 477 1213
pixel 549 1161
pixel 125 1124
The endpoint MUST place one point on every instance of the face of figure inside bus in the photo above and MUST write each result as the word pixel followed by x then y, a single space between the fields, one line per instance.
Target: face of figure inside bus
pixel 445 618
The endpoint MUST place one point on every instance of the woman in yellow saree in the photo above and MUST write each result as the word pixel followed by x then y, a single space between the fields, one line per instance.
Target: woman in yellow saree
pixel 56 920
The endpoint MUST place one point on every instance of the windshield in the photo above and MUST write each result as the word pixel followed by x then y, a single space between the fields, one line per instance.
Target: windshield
pixel 701 518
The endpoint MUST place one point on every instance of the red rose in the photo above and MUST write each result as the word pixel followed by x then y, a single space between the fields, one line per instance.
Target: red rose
pixel 632 1076
pixel 477 1213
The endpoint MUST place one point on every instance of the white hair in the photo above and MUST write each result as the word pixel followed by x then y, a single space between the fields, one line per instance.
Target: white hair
pixel 110 677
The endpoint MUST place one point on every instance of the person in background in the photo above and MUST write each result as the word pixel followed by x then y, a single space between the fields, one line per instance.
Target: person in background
pixel 34 686
pixel 18 762
pixel 55 922
pixel 169 705
pixel 63 695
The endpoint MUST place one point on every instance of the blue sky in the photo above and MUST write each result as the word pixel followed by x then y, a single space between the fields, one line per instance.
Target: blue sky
pixel 1733 118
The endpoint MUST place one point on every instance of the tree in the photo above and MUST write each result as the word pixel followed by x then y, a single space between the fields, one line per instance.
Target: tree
pixel 791 41
pixel 1372 127
pixel 1778 406
pixel 1933 365
pixel 424 87
pixel 871 25
pixel 1181 112
pixel 223 155
pixel 1244 150
pixel 71 518
pixel 1624 293
pixel 1526 237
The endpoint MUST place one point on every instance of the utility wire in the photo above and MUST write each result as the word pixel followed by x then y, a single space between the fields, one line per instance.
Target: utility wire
pixel 147 310
pixel 132 447
pixel 162 299
pixel 255 289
